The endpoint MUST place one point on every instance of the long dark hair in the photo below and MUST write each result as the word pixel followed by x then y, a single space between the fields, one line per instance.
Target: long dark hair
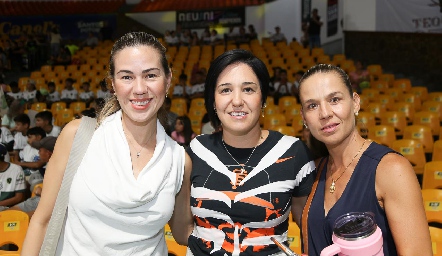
pixel 187 129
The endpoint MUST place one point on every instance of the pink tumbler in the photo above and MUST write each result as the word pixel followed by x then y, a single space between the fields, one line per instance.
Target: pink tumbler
pixel 355 233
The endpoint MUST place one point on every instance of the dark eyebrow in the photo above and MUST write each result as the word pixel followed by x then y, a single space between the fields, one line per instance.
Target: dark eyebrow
pixel 245 83
pixel 144 71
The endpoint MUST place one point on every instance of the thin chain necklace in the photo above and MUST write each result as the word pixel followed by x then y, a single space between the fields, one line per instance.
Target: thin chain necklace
pixel 242 165
pixel 333 185
pixel 142 146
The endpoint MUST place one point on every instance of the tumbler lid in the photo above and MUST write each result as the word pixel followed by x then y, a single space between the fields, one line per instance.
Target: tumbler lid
pixel 355 225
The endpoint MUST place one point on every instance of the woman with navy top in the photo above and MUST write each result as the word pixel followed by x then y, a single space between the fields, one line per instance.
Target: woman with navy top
pixel 358 175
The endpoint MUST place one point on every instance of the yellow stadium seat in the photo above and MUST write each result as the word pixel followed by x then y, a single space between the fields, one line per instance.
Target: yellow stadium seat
pixel 430 119
pixel 433 106
pixel 365 119
pixel 338 58
pixel 64 116
pixel 286 102
pixel 292 111
pixel 432 177
pixel 271 121
pixel 197 102
pixel 413 151
pixel 433 204
pixel 396 119
pixel 286 130
pixel 294 237
pixel 403 83
pixel 77 106
pixel 436 234
pixel 382 134
pixel 389 78
pixel 38 106
pixel 394 93
pixel 436 96
pixel 298 125
pixel 372 94
pixel 437 150
pixel 374 70
pixel 14 225
pixel 413 99
pixel 420 91
pixel 379 85
pixel 406 108
pixel 422 134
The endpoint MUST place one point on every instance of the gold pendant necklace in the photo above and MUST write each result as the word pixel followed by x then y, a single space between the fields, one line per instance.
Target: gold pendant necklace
pixel 332 187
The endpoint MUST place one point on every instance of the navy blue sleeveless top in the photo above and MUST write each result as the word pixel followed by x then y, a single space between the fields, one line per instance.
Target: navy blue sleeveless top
pixel 358 196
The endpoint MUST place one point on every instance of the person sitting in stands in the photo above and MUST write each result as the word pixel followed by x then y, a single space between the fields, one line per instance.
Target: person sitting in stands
pixel 44 120
pixel 45 148
pixel 29 155
pixel 12 181
pixel 69 93
pixel 86 95
pixel 278 36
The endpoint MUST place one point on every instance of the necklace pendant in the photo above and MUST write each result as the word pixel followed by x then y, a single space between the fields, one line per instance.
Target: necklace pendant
pixel 332 187
pixel 138 154
pixel 243 170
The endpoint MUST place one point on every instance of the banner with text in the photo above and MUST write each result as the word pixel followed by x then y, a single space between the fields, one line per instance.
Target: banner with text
pixel 211 18
pixel 75 27
pixel 409 16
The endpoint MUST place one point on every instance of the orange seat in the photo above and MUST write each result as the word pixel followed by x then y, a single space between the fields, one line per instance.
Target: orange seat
pixel 268 110
pixel 413 151
pixel 382 134
pixel 386 101
pixel 379 85
pixel 406 108
pixel 396 119
pixel 38 106
pixel 433 204
pixel 77 106
pixel 179 103
pixel 372 94
pixel 436 96
pixel 432 177
pixel 14 225
pixel 197 102
pixel 294 110
pixel 294 237
pixel 374 70
pixel 403 83
pixel 285 102
pixel 433 106
pixel 64 116
pixel 286 130
pixel 422 134
pixel 364 120
pixel 430 119
pixel 420 91
pixel 437 150
pixel 376 108
pixel 436 234
pixel 363 102
pixel 394 93
pixel 413 99
pixel 389 78
pixel 271 121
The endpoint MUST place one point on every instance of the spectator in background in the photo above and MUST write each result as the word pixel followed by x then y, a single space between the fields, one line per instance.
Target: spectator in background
pixel 91 40
pixel 53 95
pixel 45 149
pixel 103 92
pixel 69 93
pixel 29 159
pixel 206 37
pixel 215 39
pixel 171 116
pixel 181 89
pixel 183 132
pixel 195 39
pixel 7 139
pixel 16 108
pixel 64 57
pixel 186 38
pixel 12 181
pixel 86 95
pixel 197 90
pixel 44 120
pixel 242 37
pixel 22 123
pixel 278 36
pixel 252 32
pixel 30 94
pixel 295 88
pixel 55 42
pixel 15 92
pixel 171 39
pixel 206 125
pixel 314 29
pixel 283 87
pixel 358 76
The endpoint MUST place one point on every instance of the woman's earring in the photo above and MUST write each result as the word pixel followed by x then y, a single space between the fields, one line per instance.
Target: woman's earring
pixel 167 93
pixel 357 113
pixel 214 109
pixel 305 125
pixel 262 109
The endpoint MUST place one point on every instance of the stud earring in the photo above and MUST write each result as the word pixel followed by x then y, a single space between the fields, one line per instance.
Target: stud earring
pixel 305 125
pixel 357 113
